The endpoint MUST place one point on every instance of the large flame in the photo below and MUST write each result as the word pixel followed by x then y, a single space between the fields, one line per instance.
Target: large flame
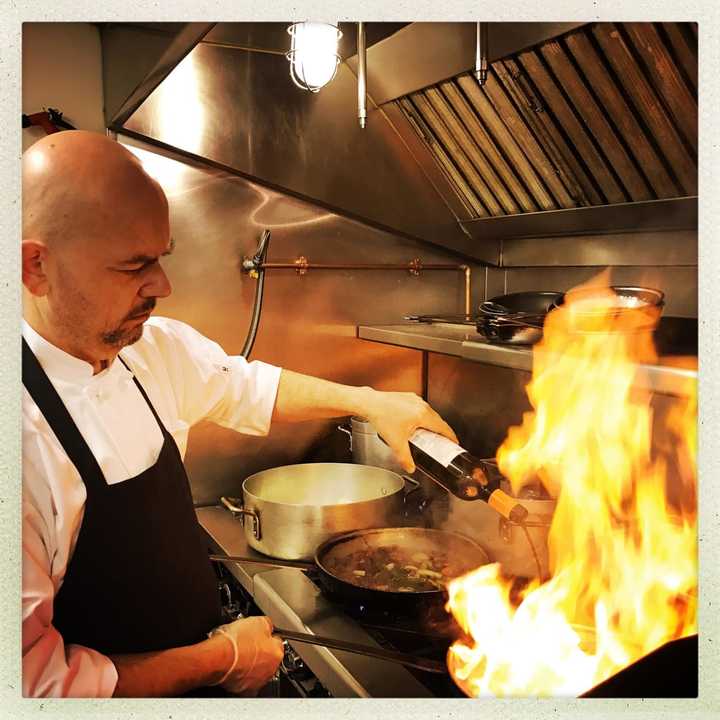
pixel 622 545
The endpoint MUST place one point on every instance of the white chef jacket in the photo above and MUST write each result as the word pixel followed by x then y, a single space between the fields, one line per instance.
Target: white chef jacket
pixel 188 378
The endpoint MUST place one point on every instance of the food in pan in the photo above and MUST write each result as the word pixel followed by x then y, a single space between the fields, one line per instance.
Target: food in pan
pixel 394 569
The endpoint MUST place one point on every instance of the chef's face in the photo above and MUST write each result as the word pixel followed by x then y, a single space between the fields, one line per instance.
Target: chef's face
pixel 102 289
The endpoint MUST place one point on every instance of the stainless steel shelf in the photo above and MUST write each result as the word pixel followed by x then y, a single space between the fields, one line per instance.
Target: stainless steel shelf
pixel 464 342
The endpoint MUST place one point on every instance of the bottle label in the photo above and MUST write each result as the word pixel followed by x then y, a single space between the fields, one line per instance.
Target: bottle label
pixel 439 448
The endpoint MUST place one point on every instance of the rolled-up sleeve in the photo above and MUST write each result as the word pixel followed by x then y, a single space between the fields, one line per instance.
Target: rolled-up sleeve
pixel 209 384
pixel 250 396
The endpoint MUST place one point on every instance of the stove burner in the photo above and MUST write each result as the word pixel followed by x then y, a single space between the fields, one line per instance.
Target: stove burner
pixel 428 636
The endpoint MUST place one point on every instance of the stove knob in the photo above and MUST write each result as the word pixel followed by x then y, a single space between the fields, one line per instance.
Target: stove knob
pixel 230 606
pixel 318 690
pixel 291 661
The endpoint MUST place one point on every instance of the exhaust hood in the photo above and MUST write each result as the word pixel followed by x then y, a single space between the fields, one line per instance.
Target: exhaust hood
pixel 604 114
pixel 580 128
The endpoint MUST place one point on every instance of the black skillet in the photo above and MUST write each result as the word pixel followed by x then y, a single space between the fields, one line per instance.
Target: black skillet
pixel 465 556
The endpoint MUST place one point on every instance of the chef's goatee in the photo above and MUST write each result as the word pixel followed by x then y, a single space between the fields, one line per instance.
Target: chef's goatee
pixel 120 337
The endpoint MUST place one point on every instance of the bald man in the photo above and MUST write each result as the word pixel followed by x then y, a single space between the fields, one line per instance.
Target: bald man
pixel 119 597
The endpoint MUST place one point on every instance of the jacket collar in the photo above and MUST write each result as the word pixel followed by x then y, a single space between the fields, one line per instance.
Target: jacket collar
pixel 60 365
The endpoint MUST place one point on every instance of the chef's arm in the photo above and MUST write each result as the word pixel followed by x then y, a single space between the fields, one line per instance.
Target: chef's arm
pixel 245 650
pixel 395 415
pixel 169 673
pixel 52 668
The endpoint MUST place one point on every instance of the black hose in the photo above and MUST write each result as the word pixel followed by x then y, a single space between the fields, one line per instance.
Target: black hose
pixel 257 263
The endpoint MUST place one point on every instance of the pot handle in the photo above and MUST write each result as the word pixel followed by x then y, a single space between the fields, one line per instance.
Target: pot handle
pixel 347 431
pixel 234 505
pixel 413 482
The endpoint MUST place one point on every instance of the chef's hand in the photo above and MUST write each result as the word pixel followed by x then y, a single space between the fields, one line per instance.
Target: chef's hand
pixel 256 654
pixel 396 416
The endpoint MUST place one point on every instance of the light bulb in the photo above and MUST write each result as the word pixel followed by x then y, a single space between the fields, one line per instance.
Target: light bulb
pixel 313 54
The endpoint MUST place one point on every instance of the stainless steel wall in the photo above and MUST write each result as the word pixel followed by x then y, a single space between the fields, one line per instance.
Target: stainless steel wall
pixel 308 322
pixel 664 260
pixel 679 283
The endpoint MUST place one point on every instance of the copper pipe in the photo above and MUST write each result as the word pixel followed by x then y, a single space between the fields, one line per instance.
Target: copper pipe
pixel 468 288
pixel 415 267
pixel 359 266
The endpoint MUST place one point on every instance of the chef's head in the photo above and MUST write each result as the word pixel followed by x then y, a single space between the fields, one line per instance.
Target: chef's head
pixel 95 226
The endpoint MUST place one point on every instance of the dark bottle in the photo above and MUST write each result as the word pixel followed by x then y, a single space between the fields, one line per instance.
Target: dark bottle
pixel 461 474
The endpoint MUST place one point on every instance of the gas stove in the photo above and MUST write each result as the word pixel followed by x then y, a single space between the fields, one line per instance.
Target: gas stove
pixel 293 601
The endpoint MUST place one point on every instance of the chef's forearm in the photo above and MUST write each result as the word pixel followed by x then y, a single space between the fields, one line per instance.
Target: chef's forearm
pixel 169 673
pixel 302 397
pixel 395 415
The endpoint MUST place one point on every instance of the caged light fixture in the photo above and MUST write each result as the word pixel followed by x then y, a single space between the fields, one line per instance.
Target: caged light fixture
pixel 313 54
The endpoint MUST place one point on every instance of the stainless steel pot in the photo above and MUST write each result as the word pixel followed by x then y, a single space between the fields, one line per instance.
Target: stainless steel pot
pixel 505 541
pixel 289 511
pixel 366 446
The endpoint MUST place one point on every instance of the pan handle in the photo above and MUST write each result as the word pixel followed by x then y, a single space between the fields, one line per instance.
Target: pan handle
pixel 234 505
pixel 271 562
pixel 414 661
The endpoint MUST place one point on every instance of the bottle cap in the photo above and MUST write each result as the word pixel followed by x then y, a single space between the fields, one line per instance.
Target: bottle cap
pixel 507 506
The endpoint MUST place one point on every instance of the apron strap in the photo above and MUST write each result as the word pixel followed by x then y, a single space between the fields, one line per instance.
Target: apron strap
pixel 144 394
pixel 58 418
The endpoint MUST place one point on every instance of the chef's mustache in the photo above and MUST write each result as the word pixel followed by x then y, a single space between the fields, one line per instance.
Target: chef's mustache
pixel 146 307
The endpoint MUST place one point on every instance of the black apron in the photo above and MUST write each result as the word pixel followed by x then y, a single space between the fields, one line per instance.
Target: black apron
pixel 139 579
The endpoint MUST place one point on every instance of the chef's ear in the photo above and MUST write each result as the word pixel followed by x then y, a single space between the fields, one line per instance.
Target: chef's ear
pixel 34 256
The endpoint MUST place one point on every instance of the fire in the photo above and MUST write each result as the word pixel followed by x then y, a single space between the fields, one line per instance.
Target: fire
pixel 623 543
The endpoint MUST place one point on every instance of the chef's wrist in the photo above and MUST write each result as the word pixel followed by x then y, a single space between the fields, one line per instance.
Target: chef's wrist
pixel 364 401
pixel 223 654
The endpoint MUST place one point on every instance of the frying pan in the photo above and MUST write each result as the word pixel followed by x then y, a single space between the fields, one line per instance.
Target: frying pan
pixel 517 318
pixel 466 555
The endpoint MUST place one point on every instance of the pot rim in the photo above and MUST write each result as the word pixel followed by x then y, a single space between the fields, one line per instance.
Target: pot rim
pixel 315 505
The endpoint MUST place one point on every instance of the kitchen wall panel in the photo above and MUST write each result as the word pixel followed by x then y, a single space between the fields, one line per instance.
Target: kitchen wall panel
pixel 62 69
pixel 479 401
pixel 678 283
pixel 665 249
pixel 308 321
pixel 495 282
